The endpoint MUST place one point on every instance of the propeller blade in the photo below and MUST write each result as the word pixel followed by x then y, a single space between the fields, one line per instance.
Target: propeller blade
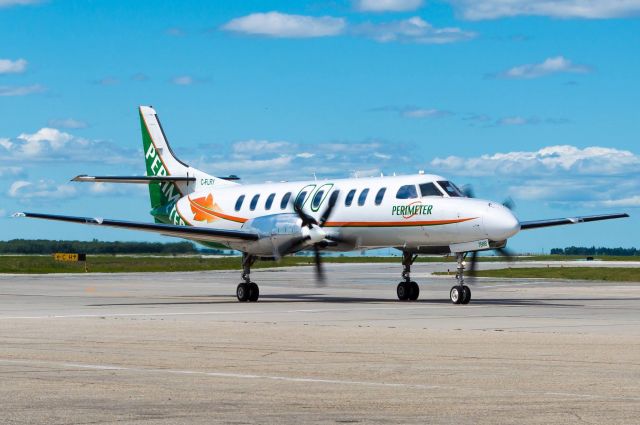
pixel 320 279
pixel 290 247
pixel 467 190
pixel 307 220
pixel 333 199
pixel 505 253
pixel 509 203
pixel 471 270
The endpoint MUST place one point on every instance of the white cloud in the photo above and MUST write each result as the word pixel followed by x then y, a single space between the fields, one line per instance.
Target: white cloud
pixel 7 66
pixel 21 90
pixel 412 30
pixel 35 143
pixel 388 5
pixel 68 123
pixel 183 80
pixel 10 171
pixel 282 25
pixel 424 113
pixel 561 176
pixel 9 3
pixel 561 159
pixel 52 145
pixel 586 9
pixel 270 160
pixel 554 65
pixel 42 189
pixel 631 201
pixel 254 147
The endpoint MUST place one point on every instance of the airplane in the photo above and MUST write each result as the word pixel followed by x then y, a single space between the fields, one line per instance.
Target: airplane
pixel 417 214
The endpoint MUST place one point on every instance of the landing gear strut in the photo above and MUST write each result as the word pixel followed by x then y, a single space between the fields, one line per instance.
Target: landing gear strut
pixel 460 294
pixel 247 290
pixel 407 289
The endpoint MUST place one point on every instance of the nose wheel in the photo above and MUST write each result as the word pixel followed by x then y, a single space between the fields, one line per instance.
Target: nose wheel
pixel 461 293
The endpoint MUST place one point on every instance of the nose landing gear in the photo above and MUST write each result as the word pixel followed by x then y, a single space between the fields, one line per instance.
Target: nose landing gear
pixel 407 290
pixel 247 290
pixel 460 294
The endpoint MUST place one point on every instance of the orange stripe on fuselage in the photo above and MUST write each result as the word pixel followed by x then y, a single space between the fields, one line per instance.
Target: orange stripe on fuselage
pixel 395 223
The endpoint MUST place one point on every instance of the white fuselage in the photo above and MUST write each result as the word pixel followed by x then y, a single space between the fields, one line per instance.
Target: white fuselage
pixel 407 215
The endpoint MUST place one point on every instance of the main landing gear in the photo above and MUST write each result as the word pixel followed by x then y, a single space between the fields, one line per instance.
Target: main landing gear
pixel 460 294
pixel 408 290
pixel 247 290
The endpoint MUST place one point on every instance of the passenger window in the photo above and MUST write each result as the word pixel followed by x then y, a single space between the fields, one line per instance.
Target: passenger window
pixel 315 203
pixel 254 202
pixel 349 199
pixel 363 197
pixel 239 202
pixel 380 195
pixel 450 188
pixel 301 197
pixel 267 204
pixel 407 192
pixel 429 189
pixel 285 200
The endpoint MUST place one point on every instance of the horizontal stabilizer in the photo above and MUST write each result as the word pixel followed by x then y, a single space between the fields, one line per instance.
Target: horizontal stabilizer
pixel 187 232
pixel 569 220
pixel 131 179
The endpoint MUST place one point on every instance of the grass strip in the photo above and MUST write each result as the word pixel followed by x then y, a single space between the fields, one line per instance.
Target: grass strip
pixel 613 274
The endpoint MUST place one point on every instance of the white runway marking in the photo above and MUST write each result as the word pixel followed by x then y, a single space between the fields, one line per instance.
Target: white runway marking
pixel 97 367
pixel 213 374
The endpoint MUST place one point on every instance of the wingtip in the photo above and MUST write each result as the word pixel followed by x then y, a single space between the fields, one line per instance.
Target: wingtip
pixel 18 214
pixel 78 178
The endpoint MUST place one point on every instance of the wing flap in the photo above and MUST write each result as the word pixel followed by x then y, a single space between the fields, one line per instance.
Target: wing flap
pixel 195 233
pixel 535 224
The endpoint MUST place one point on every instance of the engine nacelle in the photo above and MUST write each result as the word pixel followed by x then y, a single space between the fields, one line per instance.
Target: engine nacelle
pixel 275 231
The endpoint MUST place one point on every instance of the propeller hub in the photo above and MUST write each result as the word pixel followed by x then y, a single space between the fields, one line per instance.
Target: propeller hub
pixel 315 234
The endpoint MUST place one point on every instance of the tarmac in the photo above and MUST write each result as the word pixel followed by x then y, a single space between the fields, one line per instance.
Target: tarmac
pixel 178 348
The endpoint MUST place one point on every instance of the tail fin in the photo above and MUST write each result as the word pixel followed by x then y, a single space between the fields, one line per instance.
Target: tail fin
pixel 161 161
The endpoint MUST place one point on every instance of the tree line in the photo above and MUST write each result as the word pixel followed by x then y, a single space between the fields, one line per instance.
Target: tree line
pixel 583 250
pixel 44 246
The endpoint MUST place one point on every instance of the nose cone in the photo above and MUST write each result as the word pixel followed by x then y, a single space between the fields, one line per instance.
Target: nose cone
pixel 499 222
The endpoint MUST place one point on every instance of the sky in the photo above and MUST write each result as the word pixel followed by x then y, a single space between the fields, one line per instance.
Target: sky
pixel 533 100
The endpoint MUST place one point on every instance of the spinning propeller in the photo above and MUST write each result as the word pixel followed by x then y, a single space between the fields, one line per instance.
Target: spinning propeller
pixel 467 190
pixel 314 233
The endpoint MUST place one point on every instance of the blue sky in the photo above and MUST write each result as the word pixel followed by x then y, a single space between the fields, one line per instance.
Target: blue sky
pixel 533 100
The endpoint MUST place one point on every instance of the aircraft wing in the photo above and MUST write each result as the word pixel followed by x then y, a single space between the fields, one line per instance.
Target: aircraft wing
pixel 524 225
pixel 187 232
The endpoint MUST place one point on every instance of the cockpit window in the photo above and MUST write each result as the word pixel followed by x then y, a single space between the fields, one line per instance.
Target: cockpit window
pixel 429 189
pixel 407 192
pixel 450 188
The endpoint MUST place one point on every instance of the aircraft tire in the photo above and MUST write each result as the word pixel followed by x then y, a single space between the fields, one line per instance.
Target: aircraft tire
pixel 403 291
pixel 243 291
pixel 414 291
pixel 456 294
pixel 467 295
pixel 254 292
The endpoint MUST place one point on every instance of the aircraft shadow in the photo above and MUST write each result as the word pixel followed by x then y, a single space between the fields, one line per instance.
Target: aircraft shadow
pixel 320 298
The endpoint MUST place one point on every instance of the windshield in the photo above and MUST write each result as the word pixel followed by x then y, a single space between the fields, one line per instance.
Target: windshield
pixel 450 188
